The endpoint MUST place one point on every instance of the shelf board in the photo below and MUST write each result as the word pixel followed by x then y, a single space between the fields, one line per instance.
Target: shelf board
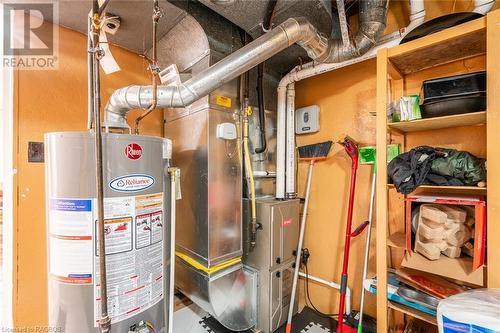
pixel 476 190
pixel 460 42
pixel 458 120
pixel 397 240
pixel 413 312
pixel 456 269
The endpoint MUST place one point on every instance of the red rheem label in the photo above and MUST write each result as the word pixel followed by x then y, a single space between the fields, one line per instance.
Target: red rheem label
pixel 133 151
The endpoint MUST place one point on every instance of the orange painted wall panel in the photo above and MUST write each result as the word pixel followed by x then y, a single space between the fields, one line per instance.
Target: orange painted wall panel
pixel 346 98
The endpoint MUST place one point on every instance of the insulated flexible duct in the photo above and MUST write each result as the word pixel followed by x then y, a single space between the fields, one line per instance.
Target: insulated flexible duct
pixel 293 30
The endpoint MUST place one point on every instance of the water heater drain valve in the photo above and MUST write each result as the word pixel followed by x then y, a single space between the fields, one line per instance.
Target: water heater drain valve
pixel 140 327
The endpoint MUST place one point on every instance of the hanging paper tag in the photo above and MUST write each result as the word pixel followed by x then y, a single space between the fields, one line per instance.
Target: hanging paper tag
pixel 108 62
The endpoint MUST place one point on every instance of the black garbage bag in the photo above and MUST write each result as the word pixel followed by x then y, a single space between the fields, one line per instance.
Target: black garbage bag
pixel 410 169
pixel 426 165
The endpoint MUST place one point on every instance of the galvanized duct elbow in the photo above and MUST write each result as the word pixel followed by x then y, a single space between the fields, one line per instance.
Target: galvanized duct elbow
pixel 293 30
pixel 140 97
pixel 372 22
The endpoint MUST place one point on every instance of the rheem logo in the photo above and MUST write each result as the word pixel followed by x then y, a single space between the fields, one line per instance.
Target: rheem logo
pixel 133 151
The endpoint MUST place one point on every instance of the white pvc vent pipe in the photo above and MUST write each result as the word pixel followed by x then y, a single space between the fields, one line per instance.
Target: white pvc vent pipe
pixel 483 6
pixel 331 285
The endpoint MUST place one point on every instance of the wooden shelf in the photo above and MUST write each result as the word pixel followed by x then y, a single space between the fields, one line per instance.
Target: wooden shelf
pixel 397 240
pixel 467 119
pixel 460 42
pixel 456 269
pixel 413 312
pixel 400 71
pixel 476 190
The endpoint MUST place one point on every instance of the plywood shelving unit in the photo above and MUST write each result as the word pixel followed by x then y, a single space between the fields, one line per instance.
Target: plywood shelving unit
pixel 447 189
pixel 429 124
pixel 412 312
pixel 406 66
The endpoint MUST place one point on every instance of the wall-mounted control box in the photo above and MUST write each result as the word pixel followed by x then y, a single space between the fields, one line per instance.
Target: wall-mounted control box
pixel 307 119
pixel 226 131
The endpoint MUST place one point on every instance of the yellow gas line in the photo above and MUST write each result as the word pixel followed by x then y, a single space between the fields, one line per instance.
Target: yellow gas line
pixel 249 170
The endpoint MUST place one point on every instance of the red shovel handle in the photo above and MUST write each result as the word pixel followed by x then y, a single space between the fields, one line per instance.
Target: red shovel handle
pixel 360 229
pixel 351 149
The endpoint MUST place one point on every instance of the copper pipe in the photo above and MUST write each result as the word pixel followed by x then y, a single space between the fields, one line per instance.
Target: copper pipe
pixel 104 321
pixel 153 67
pixel 90 76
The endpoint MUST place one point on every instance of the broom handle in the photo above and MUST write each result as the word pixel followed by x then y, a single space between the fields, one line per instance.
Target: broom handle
pixel 299 248
pixel 367 249
pixel 347 243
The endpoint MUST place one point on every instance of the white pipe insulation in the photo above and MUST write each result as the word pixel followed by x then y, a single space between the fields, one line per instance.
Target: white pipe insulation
pixel 483 6
pixel 281 141
pixel 417 15
pixel 290 141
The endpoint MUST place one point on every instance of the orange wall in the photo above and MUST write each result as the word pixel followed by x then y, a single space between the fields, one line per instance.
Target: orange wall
pixel 47 101
pixel 346 98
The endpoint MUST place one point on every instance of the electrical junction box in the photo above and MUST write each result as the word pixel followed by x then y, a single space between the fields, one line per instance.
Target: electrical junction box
pixel 226 131
pixel 307 119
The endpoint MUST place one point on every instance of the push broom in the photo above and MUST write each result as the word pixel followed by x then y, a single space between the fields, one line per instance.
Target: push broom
pixel 312 154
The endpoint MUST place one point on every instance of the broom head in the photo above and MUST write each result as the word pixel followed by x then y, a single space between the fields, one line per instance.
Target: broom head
pixel 315 152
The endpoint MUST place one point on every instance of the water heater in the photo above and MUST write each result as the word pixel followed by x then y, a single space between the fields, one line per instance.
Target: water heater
pixel 136 191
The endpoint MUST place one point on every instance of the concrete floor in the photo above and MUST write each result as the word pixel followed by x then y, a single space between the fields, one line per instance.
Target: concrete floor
pixel 192 319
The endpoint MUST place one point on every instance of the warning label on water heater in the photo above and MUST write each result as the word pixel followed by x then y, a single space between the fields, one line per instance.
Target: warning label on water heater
pixel 70 240
pixel 134 255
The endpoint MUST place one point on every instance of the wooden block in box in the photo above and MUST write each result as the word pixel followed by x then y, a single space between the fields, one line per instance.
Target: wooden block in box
pixel 443 214
pixel 476 204
pixel 433 213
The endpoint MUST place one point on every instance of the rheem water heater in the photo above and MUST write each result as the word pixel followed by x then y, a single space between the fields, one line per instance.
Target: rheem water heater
pixel 136 229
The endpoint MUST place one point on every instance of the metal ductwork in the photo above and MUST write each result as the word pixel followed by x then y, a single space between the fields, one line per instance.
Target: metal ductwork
pixel 293 30
pixel 250 15
pixel 372 19
pixel 372 22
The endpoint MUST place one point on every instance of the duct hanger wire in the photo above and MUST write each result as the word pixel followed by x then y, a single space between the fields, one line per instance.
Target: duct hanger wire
pixel 344 29
pixel 153 66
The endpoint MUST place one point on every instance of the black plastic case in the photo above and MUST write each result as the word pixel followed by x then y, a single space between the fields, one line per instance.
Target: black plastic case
pixel 454 95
